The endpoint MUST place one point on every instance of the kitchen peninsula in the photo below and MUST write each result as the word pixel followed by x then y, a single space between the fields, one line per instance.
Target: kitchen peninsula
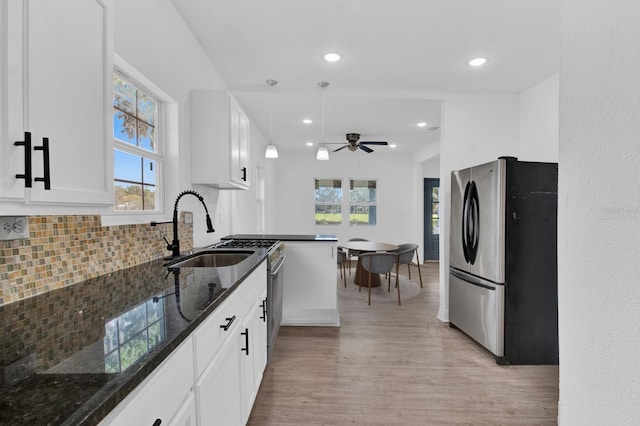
pixel 309 293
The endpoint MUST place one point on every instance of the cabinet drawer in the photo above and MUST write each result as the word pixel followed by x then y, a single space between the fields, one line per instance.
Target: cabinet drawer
pixel 161 395
pixel 211 335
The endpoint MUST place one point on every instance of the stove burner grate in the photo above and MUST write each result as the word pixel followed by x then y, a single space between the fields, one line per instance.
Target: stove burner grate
pixel 247 243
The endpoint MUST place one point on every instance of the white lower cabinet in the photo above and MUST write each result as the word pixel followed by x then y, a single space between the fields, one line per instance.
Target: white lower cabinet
pixel 226 388
pixel 218 397
pixel 310 295
pixel 253 358
pixel 161 395
pixel 210 379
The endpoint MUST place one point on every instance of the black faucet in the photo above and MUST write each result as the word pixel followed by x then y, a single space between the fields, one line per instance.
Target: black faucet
pixel 174 247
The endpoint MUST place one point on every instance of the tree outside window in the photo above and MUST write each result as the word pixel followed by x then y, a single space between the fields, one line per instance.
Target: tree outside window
pixel 328 202
pixel 136 153
pixel 362 202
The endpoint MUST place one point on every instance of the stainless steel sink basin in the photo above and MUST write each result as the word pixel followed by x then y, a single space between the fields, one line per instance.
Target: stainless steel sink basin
pixel 213 259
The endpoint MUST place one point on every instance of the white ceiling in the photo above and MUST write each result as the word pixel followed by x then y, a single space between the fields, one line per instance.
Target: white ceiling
pixel 398 56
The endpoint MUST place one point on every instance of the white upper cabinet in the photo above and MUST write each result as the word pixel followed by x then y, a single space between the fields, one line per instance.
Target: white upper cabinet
pixel 219 141
pixel 56 83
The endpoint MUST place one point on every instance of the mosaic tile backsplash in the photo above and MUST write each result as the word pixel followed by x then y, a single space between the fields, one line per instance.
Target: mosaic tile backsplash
pixel 66 250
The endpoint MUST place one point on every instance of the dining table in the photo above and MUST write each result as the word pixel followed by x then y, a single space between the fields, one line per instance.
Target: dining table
pixel 361 277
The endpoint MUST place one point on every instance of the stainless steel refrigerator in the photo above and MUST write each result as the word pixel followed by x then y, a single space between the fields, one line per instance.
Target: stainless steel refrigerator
pixel 503 259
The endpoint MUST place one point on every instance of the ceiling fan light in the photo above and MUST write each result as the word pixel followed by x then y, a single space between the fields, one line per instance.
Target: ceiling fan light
pixel 322 153
pixel 477 62
pixel 271 151
pixel 352 147
pixel 332 57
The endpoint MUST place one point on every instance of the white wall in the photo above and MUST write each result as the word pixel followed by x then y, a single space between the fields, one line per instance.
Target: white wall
pixel 476 129
pixel 398 208
pixel 599 214
pixel 159 45
pixel 431 168
pixel 539 118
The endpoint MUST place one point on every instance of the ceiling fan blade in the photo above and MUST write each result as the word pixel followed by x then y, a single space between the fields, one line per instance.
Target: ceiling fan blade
pixel 342 147
pixel 366 149
pixel 374 143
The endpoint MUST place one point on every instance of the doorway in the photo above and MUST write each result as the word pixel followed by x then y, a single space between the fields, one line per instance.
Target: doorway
pixel 431 219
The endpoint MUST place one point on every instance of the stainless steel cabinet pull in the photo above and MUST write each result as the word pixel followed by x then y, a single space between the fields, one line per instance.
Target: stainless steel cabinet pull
pixel 27 159
pixel 229 322
pixel 245 333
pixel 45 159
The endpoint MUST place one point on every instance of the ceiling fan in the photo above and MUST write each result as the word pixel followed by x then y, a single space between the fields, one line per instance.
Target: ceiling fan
pixel 354 142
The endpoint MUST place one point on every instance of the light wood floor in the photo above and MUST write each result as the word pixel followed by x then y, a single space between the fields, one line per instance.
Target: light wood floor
pixel 398 365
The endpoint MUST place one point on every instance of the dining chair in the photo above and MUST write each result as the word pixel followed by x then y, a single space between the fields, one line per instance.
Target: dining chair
pixel 406 252
pixel 380 263
pixel 342 264
pixel 354 253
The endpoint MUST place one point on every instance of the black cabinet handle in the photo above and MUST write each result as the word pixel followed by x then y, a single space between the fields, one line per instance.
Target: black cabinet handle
pixel 264 310
pixel 157 422
pixel 245 333
pixel 27 159
pixel 45 158
pixel 229 322
pixel 244 174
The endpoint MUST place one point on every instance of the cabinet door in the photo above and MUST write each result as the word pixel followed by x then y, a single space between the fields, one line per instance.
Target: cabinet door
pixel 260 342
pixel 218 398
pixel 11 128
pixel 65 74
pixel 186 415
pixel 239 145
pixel 253 335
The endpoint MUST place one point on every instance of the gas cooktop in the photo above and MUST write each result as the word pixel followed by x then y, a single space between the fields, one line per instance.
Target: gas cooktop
pixel 247 243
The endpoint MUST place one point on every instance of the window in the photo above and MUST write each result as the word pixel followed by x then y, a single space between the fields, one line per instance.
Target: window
pixel 362 207
pixel 133 334
pixel 136 155
pixel 362 202
pixel 328 199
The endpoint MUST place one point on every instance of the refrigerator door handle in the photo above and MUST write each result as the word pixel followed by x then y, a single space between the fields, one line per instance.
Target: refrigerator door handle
pixel 465 222
pixel 473 280
pixel 474 223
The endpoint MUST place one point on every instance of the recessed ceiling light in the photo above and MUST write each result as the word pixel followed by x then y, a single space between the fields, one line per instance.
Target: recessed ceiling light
pixel 393 145
pixel 477 62
pixel 309 143
pixel 331 57
pixel 307 121
pixel 422 124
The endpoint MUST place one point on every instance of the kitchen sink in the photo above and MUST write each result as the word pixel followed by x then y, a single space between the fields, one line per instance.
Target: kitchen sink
pixel 213 259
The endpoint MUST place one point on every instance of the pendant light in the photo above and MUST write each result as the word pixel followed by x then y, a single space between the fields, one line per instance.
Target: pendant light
pixel 322 153
pixel 272 150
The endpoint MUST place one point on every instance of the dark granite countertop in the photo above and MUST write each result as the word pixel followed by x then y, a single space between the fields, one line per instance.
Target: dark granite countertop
pixel 68 357
pixel 281 237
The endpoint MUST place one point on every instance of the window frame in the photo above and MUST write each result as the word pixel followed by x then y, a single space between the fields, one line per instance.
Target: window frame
pixel 367 204
pixel 341 203
pixel 157 156
pixel 345 202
